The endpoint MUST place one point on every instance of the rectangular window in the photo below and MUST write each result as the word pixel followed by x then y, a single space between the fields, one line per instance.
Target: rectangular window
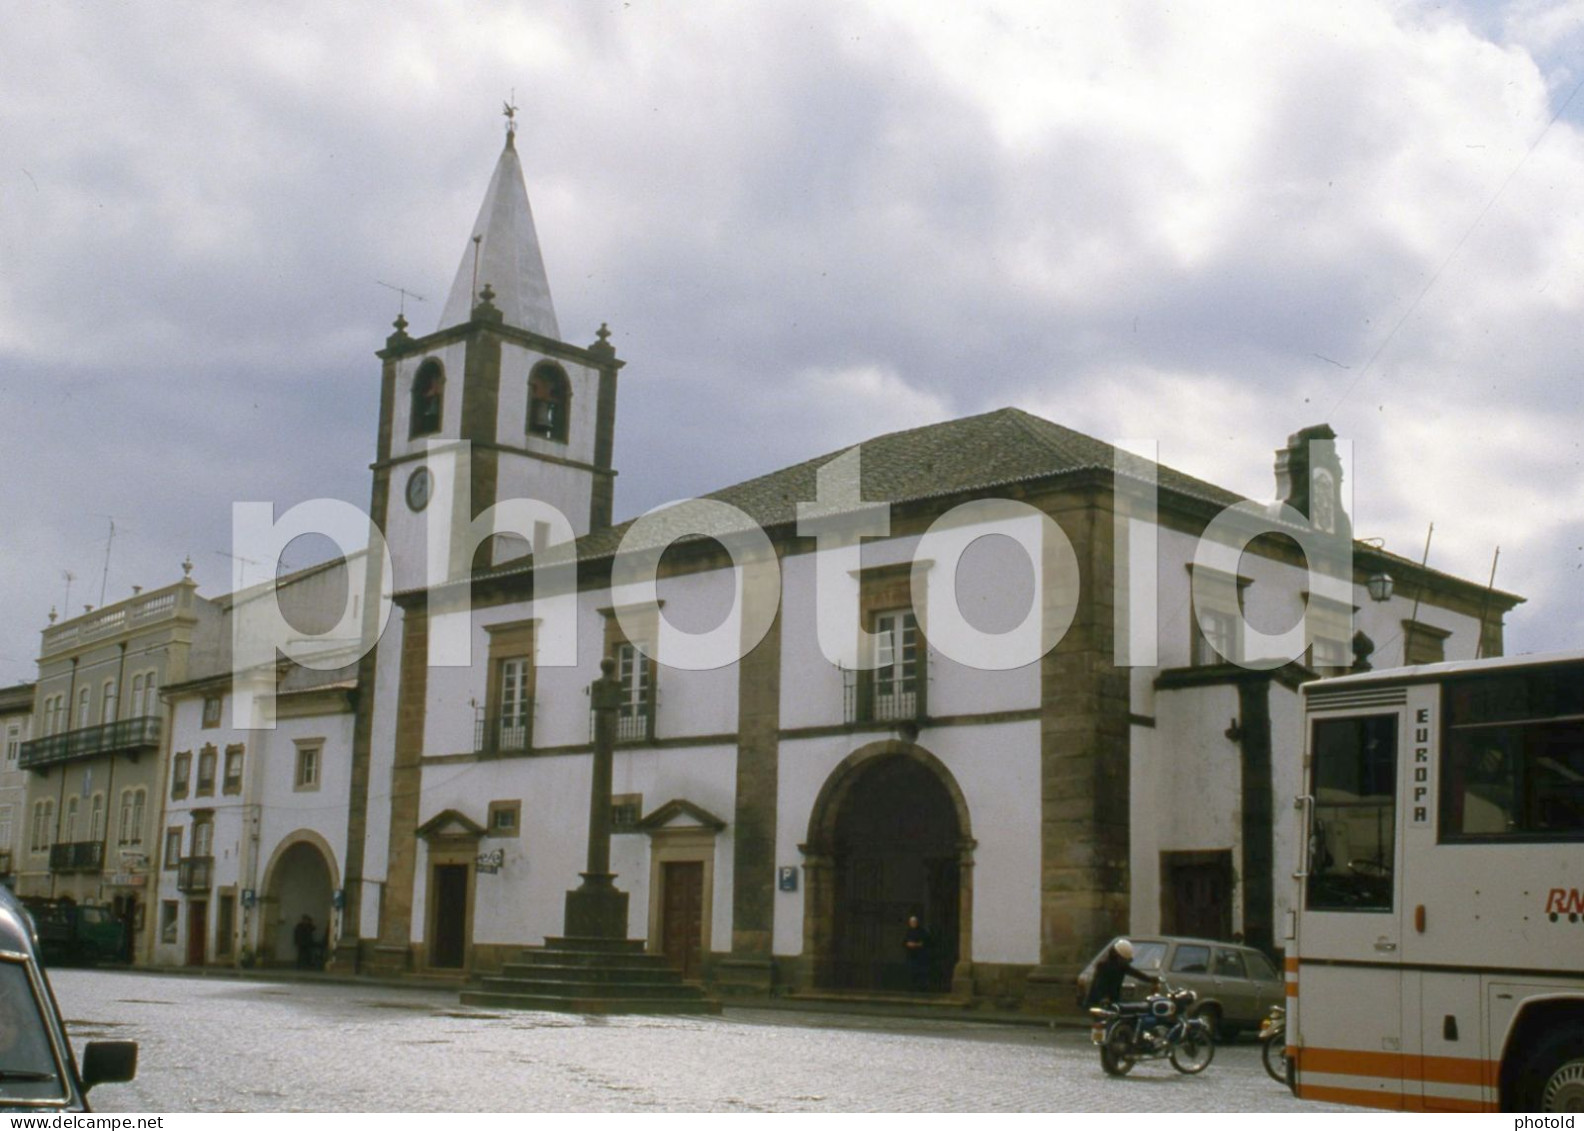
pixel 173 843
pixel 1513 757
pixel 626 811
pixel 203 838
pixel 13 745
pixel 1355 814
pixel 43 826
pixel 82 708
pixel 895 676
pixel 211 711
pixel 150 694
pixel 107 709
pixel 181 770
pixel 507 723
pixel 1423 643
pixel 307 775
pixel 168 912
pixel 96 817
pixel 634 716
pixel 5 828
pixel 131 832
pixel 207 757
pixel 233 769
pixel 514 708
pixel 1216 638
pixel 505 818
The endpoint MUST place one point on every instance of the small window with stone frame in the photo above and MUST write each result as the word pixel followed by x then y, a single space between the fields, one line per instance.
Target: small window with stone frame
pixel 505 819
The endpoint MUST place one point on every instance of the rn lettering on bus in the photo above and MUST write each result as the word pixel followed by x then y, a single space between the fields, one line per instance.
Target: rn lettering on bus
pixel 1421 774
pixel 1565 901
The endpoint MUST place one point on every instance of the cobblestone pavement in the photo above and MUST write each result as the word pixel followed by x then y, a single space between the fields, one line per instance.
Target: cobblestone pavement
pixel 223 1044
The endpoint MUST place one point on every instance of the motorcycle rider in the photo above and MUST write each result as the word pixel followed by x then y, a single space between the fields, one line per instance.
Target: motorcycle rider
pixel 1106 986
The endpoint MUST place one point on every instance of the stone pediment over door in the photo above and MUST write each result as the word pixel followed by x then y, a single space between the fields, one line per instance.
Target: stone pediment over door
pixel 677 815
pixel 449 824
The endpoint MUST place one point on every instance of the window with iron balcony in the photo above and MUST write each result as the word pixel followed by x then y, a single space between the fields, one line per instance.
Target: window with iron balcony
pixel 636 670
pixel 506 724
pixel 891 684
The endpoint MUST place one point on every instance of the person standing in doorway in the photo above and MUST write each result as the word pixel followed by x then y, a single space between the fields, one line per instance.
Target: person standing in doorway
pixel 303 939
pixel 916 942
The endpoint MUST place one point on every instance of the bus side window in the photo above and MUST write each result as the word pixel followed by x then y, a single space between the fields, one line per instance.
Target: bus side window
pixel 1513 764
pixel 1354 814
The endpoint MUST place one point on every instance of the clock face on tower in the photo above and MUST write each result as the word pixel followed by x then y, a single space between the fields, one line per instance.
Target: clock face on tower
pixel 419 485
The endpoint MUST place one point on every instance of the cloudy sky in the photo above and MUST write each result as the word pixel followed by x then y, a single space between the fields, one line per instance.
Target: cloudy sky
pixel 806 223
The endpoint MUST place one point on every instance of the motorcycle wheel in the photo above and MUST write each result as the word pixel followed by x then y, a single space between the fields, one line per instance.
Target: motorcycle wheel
pixel 1116 1055
pixel 1194 1052
pixel 1274 1054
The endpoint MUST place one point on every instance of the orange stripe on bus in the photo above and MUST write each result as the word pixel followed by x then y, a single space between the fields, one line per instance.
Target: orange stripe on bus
pixel 1397 1066
pixel 1292 989
pixel 1290 965
pixel 1390 1101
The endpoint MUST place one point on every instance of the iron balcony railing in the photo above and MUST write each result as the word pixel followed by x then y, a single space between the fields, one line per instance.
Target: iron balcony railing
pixel 127 736
pixel 880 697
pixel 195 873
pixel 493 734
pixel 77 856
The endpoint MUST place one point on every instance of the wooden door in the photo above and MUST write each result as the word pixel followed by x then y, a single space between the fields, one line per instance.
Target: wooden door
pixel 1198 893
pixel 197 932
pixel 450 916
pixel 682 915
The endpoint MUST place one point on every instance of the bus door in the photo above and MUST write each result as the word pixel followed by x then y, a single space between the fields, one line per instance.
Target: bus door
pixel 1441 913
pixel 1350 1008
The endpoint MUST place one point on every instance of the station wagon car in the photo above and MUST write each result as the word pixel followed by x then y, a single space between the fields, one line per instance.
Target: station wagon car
pixel 1236 984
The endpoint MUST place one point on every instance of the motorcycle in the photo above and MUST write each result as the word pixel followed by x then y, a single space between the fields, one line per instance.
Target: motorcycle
pixel 1273 1046
pixel 1162 1025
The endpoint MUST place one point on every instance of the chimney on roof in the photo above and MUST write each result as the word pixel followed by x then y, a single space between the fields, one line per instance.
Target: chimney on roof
pixel 1309 479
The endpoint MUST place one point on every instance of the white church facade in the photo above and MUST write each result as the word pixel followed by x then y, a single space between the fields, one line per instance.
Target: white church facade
pixel 984 672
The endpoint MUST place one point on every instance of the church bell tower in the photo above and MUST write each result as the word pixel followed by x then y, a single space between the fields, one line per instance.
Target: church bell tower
pixel 493 406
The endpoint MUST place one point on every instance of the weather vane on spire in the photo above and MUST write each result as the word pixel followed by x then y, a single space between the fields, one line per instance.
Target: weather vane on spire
pixel 509 109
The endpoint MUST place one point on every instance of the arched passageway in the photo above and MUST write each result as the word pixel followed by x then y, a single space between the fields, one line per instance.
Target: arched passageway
pixel 300 883
pixel 889 839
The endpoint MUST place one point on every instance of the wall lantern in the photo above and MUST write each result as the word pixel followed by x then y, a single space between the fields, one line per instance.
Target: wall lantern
pixel 1380 586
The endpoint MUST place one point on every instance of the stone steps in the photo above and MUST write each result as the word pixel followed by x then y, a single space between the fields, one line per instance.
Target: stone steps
pixel 573 975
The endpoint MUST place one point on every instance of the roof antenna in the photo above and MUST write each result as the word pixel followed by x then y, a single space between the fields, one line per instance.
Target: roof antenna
pixel 104 579
pixel 405 295
pixel 70 577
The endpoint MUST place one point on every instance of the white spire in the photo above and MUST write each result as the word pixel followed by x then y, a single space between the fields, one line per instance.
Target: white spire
pixel 507 256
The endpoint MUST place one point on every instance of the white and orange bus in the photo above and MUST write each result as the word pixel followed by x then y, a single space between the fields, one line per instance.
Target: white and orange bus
pixel 1436 954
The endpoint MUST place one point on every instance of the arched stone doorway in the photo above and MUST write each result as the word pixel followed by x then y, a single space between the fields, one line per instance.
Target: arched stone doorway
pixel 300 880
pixel 889 837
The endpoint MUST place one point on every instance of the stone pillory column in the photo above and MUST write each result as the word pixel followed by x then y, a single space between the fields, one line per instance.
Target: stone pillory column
pixel 595 909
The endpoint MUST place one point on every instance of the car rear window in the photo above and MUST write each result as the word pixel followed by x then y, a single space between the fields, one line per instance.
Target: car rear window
pixel 1148 955
pixel 1260 968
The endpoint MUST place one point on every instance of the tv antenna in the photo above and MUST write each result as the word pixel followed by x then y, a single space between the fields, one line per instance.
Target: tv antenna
pixel 104 577
pixel 70 577
pixel 405 295
pixel 280 563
